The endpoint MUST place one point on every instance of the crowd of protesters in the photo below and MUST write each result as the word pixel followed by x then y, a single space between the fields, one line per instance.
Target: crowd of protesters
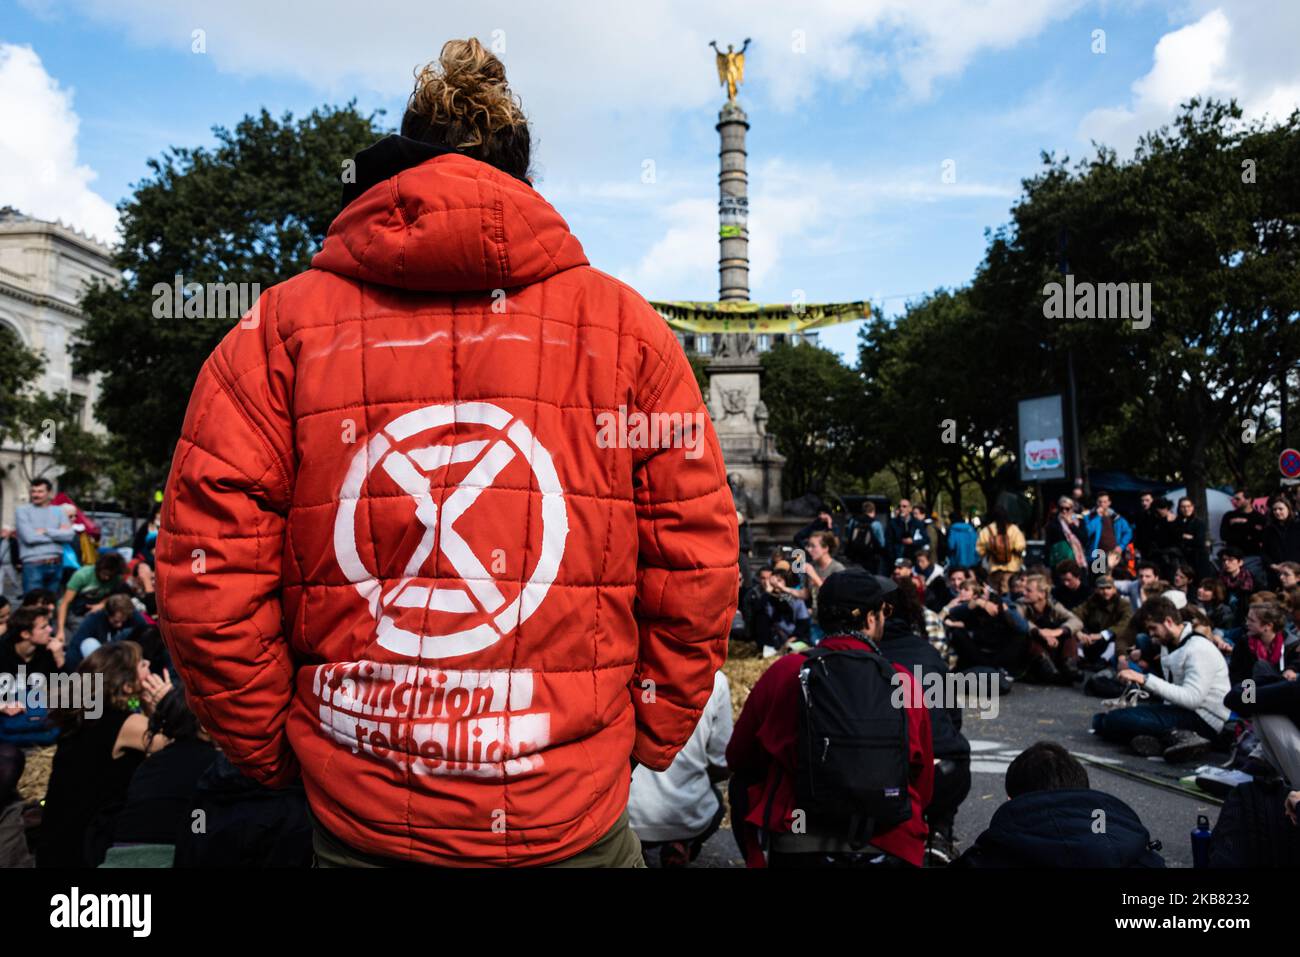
pixel 1192 645
pixel 89 694
pixel 1189 649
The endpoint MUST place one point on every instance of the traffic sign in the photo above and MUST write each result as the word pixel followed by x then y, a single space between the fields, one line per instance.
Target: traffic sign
pixel 1288 463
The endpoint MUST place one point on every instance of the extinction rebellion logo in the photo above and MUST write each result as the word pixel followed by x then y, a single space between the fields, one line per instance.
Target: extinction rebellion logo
pixel 441 720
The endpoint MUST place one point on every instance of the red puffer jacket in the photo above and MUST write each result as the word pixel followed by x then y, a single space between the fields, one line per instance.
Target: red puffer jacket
pixel 415 542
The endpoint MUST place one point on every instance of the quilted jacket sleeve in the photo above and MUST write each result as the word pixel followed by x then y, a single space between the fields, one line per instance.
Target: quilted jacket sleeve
pixel 220 545
pixel 688 550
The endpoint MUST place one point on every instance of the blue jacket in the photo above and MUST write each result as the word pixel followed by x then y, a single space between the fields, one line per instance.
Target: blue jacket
pixel 961 546
pixel 95 627
pixel 1092 525
pixel 1056 829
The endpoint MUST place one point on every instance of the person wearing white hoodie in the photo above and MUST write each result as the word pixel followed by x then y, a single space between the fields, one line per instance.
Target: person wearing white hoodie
pixel 1187 712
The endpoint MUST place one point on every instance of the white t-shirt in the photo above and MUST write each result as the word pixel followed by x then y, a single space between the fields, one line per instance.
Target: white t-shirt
pixel 678 804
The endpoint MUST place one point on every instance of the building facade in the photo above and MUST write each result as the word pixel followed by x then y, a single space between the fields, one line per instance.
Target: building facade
pixel 44 268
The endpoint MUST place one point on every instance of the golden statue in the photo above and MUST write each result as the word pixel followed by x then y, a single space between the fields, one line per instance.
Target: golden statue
pixel 731 67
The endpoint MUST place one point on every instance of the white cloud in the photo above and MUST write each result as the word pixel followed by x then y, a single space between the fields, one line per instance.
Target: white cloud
pixel 575 56
pixel 1244 51
pixel 39 172
pixel 814 208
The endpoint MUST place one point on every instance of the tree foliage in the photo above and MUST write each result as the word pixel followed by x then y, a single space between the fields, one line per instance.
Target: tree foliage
pixel 251 209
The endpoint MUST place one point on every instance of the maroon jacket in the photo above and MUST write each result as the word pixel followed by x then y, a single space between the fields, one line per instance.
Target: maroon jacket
pixel 764 750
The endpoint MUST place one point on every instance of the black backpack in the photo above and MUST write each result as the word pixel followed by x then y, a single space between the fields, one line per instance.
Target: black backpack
pixel 852 777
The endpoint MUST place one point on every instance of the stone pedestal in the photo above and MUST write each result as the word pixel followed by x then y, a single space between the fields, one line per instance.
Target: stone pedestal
pixel 739 416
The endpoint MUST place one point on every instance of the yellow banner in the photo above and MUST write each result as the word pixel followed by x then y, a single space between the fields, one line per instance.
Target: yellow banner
pixel 723 317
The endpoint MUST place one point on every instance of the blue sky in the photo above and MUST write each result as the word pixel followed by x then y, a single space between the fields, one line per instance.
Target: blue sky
pixel 854 106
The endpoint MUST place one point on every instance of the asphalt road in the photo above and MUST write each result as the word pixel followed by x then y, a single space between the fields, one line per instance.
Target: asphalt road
pixel 1032 713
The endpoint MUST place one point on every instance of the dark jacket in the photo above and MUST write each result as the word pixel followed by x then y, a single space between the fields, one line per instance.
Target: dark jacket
pixel 902 646
pixel 248 825
pixel 1272 696
pixel 1242 529
pixel 1281 542
pixel 1146 534
pixel 1056 829
pixel 763 753
pixel 1099 615
pixel 1189 539
pixel 1244 663
pixel 161 791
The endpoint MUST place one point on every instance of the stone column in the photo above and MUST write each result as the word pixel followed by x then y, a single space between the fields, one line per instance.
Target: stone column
pixel 734 374
pixel 733 205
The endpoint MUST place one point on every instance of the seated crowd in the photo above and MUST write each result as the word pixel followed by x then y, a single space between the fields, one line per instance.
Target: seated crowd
pixel 1187 654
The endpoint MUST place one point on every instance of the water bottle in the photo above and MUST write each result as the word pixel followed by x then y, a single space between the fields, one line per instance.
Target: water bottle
pixel 1201 842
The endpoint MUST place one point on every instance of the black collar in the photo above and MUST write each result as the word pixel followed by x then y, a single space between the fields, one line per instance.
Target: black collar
pixel 387 158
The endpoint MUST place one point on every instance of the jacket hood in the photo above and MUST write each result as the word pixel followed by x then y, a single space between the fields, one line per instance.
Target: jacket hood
pixel 1056 829
pixel 448 223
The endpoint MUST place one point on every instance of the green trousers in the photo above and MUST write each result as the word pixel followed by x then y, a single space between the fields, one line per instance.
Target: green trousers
pixel 619 847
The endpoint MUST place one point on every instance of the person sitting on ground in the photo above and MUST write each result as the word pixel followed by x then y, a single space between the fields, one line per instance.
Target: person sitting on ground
pixel 162 789
pixel 1187 712
pixel 819 566
pixel 1104 615
pixel 1237 581
pixel 764 753
pixel 1202 626
pixel 676 811
pixel 1272 705
pixel 791 621
pixel 1288 575
pixel 1069 587
pixel 1052 630
pixel 118 619
pixel 1212 598
pixel 1259 652
pixel 1051 816
pixel 97 755
pixel 142 582
pixel 933 580
pixel 904 575
pixel 87 589
pixel 978 632
pixel 1148 572
pixel 28 651
pixel 1184 579
pixel 904 643
pixel 14 851
pixel 1291 645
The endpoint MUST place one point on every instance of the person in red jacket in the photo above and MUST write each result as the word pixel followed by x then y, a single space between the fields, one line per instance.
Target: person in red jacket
pixel 764 748
pixel 447 531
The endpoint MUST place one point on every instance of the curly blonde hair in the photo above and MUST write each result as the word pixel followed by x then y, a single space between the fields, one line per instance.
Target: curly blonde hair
pixel 463 101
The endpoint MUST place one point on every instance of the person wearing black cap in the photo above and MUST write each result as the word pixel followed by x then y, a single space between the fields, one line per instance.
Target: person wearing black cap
pixel 764 752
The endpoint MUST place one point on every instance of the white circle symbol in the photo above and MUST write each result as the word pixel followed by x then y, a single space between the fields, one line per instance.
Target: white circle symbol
pixel 412 470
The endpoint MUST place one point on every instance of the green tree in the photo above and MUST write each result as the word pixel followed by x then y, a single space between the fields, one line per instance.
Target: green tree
pixel 1207 212
pixel 252 209
pixel 813 402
